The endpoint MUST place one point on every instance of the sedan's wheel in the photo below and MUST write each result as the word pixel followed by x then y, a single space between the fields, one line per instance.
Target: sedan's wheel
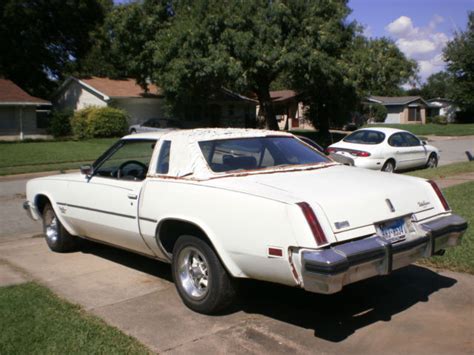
pixel 133 131
pixel 57 237
pixel 389 166
pixel 432 161
pixel 202 282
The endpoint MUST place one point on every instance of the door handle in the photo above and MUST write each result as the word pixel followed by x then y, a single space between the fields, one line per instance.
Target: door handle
pixel 132 196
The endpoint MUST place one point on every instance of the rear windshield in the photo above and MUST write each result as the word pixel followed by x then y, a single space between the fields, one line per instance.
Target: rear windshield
pixel 365 137
pixel 258 153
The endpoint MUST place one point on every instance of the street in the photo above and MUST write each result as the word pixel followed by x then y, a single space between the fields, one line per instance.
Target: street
pixel 452 150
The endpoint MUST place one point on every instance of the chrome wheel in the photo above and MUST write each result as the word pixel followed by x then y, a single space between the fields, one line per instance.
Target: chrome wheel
pixel 432 162
pixel 52 230
pixel 193 272
pixel 389 167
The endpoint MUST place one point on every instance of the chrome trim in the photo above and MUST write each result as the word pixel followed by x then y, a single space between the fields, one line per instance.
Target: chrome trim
pixel 328 270
pixel 97 210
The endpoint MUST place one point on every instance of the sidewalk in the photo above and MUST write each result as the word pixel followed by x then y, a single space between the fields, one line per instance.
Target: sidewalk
pixel 455 180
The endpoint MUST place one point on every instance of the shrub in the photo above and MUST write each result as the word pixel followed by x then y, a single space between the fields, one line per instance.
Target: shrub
pixel 379 112
pixel 99 122
pixel 439 120
pixel 60 123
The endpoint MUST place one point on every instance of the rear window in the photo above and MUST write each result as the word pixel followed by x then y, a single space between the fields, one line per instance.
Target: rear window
pixel 365 137
pixel 257 153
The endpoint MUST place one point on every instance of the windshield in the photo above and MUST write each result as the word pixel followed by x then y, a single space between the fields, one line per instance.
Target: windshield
pixel 258 153
pixel 365 137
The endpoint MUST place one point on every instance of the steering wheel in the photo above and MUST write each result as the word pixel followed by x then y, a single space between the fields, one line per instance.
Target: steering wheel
pixel 129 162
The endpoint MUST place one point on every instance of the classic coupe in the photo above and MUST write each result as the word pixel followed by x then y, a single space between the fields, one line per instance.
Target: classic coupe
pixel 224 204
pixel 386 149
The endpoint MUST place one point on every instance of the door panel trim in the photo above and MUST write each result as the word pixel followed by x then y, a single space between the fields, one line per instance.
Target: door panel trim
pixel 96 210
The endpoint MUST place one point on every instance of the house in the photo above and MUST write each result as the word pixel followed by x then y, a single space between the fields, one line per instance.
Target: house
pixel 126 94
pixel 402 109
pixel 21 115
pixel 289 110
pixel 223 109
pixel 442 107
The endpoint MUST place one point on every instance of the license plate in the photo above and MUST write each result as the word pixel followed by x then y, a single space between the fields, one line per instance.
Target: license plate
pixel 393 231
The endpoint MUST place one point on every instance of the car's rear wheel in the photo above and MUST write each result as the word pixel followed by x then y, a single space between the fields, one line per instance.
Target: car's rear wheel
pixel 432 161
pixel 200 278
pixel 133 131
pixel 57 237
pixel 389 166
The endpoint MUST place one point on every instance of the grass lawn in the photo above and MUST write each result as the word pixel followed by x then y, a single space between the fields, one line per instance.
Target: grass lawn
pixel 444 171
pixel 460 258
pixel 34 320
pixel 452 129
pixel 25 157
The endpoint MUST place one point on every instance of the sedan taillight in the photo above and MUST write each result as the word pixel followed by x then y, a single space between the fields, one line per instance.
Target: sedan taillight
pixel 313 223
pixel 439 194
pixel 356 153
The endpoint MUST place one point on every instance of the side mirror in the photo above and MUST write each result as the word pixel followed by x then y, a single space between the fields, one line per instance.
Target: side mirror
pixel 423 142
pixel 87 170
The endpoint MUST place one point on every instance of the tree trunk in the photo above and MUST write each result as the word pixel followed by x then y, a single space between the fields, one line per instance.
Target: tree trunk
pixel 267 106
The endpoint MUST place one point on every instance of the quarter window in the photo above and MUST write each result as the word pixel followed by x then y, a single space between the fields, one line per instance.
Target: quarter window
pixel 164 158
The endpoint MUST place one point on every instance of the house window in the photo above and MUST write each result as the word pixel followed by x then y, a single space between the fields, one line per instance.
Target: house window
pixel 414 114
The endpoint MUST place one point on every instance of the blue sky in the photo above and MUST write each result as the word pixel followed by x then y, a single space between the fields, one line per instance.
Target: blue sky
pixel 420 28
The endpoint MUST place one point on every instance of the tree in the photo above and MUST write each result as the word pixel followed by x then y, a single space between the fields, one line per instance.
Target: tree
pixel 38 38
pixel 437 85
pixel 248 45
pixel 459 55
pixel 378 67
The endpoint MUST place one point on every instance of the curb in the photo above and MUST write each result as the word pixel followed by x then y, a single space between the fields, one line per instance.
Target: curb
pixel 35 175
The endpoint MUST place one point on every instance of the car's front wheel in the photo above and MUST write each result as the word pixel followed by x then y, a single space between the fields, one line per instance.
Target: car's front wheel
pixel 57 237
pixel 432 161
pixel 200 278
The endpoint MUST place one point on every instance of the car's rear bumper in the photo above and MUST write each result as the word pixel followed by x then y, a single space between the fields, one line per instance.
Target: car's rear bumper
pixel 31 209
pixel 328 270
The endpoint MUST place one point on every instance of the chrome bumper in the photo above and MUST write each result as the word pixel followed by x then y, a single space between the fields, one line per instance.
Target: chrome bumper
pixel 328 270
pixel 31 209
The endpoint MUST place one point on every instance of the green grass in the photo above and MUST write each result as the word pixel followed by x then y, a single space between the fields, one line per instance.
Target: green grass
pixel 460 258
pixel 25 157
pixel 452 129
pixel 444 171
pixel 34 320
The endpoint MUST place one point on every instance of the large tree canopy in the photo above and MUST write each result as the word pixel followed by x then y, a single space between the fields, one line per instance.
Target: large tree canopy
pixel 459 54
pixel 437 85
pixel 38 38
pixel 247 45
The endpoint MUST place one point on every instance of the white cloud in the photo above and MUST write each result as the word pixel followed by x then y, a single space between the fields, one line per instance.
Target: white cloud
pixel 423 44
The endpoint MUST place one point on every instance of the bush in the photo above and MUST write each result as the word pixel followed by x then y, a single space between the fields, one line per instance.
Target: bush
pixel 378 112
pixel 60 123
pixel 439 120
pixel 101 122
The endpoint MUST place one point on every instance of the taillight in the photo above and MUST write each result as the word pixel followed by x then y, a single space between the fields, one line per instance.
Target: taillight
pixel 313 222
pixel 439 194
pixel 359 153
pixel 330 150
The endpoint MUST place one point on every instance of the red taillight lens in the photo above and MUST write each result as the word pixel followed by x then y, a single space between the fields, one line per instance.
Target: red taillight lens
pixel 330 150
pixel 360 153
pixel 313 222
pixel 439 194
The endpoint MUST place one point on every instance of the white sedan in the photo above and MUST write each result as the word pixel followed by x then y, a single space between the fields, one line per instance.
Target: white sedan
pixel 222 204
pixel 386 149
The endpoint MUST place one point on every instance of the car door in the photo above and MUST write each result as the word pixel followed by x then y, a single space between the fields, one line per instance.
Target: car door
pixel 418 154
pixel 104 206
pixel 398 150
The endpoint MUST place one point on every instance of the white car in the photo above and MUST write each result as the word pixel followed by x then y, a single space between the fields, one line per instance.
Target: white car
pixel 155 124
pixel 222 204
pixel 386 149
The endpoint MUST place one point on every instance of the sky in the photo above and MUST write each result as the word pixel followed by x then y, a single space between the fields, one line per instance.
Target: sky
pixel 420 28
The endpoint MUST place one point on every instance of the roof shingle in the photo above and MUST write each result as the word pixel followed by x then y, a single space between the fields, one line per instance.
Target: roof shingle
pixel 118 88
pixel 10 93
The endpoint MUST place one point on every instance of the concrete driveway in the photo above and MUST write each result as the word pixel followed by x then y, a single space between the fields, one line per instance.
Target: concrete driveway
pixel 452 149
pixel 415 310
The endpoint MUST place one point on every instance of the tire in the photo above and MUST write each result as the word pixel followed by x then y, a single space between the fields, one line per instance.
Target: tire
pixel 133 131
pixel 389 166
pixel 202 282
pixel 432 161
pixel 57 237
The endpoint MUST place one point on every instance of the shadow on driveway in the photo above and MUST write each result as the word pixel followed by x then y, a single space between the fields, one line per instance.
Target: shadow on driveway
pixel 332 317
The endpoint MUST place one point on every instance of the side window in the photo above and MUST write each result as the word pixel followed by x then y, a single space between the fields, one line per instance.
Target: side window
pixel 164 158
pixel 411 140
pixel 129 161
pixel 396 140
